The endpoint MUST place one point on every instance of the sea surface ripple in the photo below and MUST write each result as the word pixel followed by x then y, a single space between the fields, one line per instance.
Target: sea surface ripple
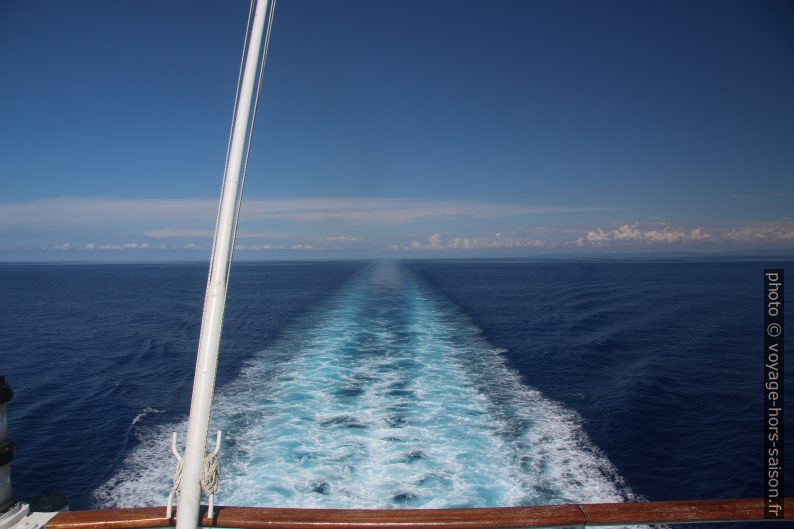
pixel 385 396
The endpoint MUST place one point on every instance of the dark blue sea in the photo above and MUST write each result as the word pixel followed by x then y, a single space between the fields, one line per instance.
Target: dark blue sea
pixel 438 383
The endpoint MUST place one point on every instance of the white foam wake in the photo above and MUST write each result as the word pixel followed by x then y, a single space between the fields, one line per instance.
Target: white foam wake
pixel 145 413
pixel 385 397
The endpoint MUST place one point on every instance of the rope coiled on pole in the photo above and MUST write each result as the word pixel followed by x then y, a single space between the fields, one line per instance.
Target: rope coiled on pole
pixel 210 475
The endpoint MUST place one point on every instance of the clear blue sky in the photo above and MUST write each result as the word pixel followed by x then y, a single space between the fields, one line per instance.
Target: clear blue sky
pixel 411 128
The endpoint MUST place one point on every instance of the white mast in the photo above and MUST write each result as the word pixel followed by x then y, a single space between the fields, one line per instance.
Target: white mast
pixel 215 298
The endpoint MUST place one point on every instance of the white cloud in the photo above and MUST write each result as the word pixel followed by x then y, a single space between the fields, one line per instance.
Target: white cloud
pixel 631 233
pixel 178 233
pixel 112 223
pixel 697 234
pixel 170 233
pixel 436 242
pixel 342 238
pixel 664 236
pixel 91 212
pixel 90 246
pixel 127 246
pixel 255 247
pixel 183 215
pixel 390 211
pixel 763 232
pixel 778 232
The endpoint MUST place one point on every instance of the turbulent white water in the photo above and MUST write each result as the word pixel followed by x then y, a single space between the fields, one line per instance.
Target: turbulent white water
pixel 386 396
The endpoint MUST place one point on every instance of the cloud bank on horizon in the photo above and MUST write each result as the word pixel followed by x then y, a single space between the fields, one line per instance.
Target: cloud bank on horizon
pixel 567 127
pixel 96 228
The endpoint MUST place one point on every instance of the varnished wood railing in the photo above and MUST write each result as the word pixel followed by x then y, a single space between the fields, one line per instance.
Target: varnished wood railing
pixel 583 515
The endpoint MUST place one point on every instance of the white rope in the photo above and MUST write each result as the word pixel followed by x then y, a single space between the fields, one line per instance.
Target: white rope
pixel 210 476
pixel 177 476
pixel 210 473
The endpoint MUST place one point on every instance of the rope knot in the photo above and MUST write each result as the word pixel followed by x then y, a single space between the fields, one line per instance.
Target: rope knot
pixel 210 475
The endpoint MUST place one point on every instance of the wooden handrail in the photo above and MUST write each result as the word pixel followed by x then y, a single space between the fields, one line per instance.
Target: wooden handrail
pixel 583 515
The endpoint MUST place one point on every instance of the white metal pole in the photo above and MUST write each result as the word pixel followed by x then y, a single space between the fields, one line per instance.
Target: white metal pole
pixel 215 298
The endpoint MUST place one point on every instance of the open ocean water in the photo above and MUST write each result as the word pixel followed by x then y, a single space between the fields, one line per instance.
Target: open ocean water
pixel 394 384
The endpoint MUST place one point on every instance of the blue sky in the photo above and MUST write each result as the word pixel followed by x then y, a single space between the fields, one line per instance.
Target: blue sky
pixel 405 129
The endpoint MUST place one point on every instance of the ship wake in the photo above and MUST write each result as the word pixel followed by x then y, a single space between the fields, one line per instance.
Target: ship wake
pixel 386 396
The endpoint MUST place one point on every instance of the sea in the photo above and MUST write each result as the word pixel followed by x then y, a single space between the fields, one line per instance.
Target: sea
pixel 395 384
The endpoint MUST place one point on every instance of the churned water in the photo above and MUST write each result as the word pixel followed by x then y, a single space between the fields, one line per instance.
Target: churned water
pixel 389 384
pixel 385 396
